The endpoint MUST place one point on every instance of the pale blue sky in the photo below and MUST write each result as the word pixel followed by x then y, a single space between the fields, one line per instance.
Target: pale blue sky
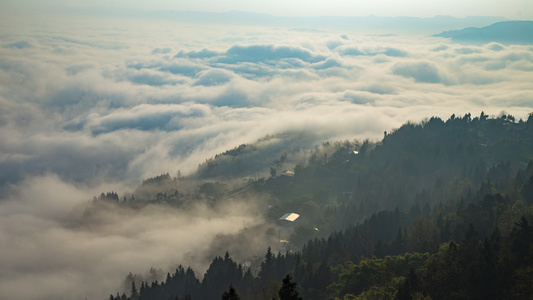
pixel 512 9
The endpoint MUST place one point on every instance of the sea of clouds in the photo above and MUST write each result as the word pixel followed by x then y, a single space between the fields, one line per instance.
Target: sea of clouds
pixel 91 104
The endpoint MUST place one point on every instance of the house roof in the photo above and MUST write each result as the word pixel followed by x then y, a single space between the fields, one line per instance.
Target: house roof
pixel 287 173
pixel 289 217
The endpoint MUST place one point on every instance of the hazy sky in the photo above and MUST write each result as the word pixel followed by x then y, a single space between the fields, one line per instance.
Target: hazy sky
pixel 512 9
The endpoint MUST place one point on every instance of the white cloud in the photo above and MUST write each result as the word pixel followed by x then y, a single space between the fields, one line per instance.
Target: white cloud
pixel 421 71
pixel 267 54
pixel 213 77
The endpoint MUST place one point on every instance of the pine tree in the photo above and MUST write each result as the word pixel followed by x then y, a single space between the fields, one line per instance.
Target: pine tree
pixel 231 294
pixel 288 290
pixel 267 268
pixel 133 291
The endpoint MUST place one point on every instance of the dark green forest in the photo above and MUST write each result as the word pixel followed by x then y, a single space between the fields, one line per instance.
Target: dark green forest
pixel 440 209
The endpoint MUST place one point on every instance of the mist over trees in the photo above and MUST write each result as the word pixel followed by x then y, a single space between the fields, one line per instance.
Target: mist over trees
pixel 134 142
pixel 439 209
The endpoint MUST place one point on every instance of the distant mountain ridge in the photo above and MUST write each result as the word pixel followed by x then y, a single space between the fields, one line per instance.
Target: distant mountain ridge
pixel 360 23
pixel 506 32
pixel 371 23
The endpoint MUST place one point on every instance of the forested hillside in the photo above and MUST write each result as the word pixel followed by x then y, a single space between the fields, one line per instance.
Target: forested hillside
pixel 436 210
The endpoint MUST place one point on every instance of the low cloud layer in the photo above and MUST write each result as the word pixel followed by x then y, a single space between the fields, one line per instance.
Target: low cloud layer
pixel 55 244
pixel 420 71
pixel 99 105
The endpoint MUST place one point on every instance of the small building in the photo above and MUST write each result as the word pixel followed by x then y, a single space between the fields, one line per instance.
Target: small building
pixel 288 173
pixel 286 223
pixel 289 217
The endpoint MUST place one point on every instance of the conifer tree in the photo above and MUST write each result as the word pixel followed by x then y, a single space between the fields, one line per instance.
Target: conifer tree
pixel 231 294
pixel 134 293
pixel 288 290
